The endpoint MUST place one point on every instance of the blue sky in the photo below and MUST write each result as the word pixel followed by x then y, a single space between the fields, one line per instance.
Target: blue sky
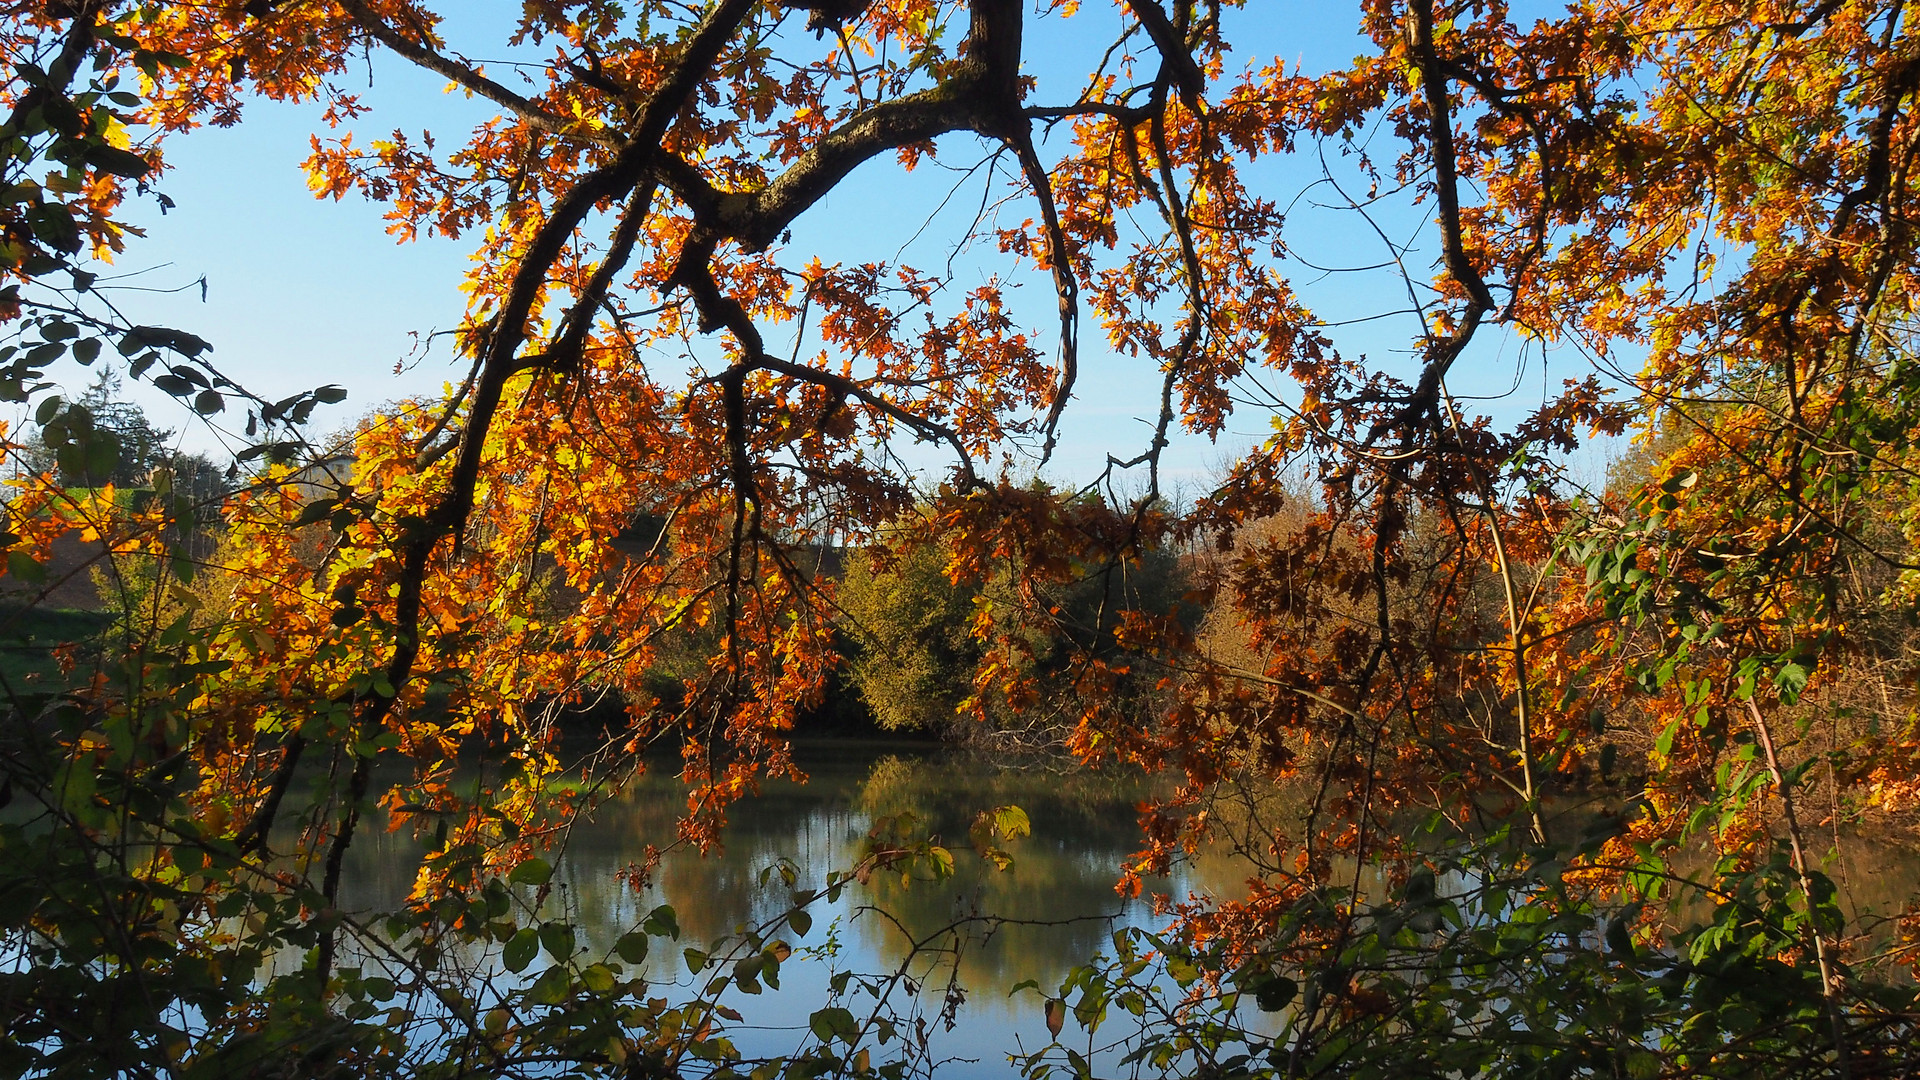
pixel 302 291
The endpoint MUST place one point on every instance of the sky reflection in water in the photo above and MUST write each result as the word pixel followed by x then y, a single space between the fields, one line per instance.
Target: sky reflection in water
pixel 1084 825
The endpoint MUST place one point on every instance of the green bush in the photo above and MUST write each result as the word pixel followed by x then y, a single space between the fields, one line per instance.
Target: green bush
pixel 920 637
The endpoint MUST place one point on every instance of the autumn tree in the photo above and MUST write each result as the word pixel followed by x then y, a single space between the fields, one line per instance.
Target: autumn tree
pixel 1001 661
pixel 1703 205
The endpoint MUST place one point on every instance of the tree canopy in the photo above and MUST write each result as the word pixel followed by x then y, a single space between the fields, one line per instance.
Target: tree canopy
pixel 1694 217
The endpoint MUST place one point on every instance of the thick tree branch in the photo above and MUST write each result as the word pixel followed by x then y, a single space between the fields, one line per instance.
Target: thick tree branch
pixel 1174 53
pixel 1900 82
pixel 1424 403
pixel 499 354
pixel 440 64
pixel 1173 207
pixel 570 344
pixel 840 384
pixel 1125 115
pixel 1446 178
pixel 634 162
pixel 1066 289
pixel 757 218
pixel 982 97
pixel 337 855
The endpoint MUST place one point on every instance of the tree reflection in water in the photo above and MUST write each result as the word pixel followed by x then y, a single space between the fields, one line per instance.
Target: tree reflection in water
pixel 1052 909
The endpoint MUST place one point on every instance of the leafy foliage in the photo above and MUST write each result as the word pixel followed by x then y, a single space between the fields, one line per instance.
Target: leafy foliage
pixel 1485 964
pixel 1005 660
pixel 1440 623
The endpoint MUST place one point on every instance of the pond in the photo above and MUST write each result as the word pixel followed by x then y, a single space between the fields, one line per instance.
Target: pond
pixel 1056 904
pixel 1057 898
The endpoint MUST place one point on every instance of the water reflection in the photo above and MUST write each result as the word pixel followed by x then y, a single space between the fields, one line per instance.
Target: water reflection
pixel 1057 900
pixel 1055 907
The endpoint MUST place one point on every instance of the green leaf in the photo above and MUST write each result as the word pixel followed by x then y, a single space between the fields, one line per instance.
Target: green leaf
pixel 941 861
pixel 1011 822
pixel 520 951
pixel 833 1022
pixel 1620 938
pixel 147 337
pixel 632 947
pixel 118 162
pixel 557 937
pixel 534 871
pixel 1275 993
pixel 315 511
pixel 1792 680
pixel 598 978
pixel 550 988
pixel 800 921
pixel 102 456
pixel 661 922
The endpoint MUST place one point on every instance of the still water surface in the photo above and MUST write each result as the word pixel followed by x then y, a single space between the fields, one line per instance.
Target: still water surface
pixel 1058 894
pixel 1058 897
